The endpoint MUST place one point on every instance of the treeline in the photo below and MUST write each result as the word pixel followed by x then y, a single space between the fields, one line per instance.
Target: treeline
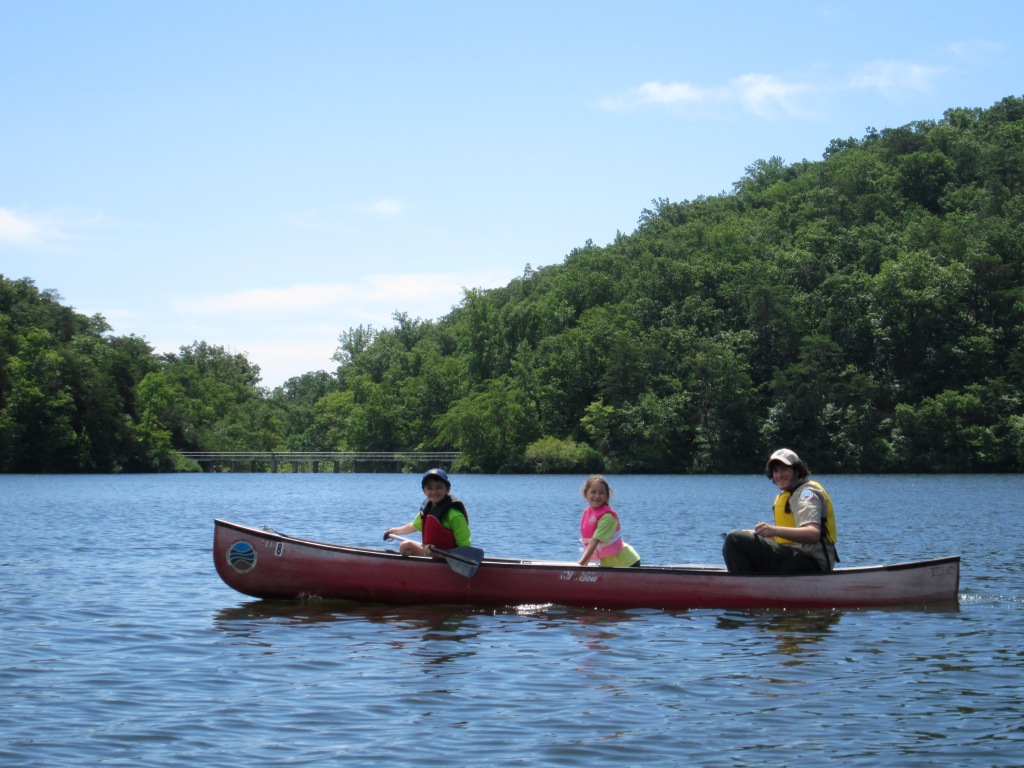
pixel 866 309
pixel 75 398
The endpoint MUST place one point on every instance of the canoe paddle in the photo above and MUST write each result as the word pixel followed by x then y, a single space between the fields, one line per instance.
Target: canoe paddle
pixel 463 560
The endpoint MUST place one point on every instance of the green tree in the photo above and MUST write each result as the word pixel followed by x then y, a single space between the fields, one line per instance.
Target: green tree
pixel 951 432
pixel 491 427
pixel 549 455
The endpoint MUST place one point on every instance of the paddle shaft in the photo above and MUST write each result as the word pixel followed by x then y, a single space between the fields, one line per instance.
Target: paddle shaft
pixel 459 563
pixel 442 552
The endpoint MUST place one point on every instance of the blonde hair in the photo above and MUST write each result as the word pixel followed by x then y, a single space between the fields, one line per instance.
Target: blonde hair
pixel 593 480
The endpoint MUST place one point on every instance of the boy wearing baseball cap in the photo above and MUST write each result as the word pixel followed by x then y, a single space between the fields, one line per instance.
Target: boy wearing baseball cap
pixel 442 518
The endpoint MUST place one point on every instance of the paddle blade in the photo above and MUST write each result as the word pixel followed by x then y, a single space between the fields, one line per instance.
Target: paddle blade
pixel 463 560
pixel 472 554
pixel 463 569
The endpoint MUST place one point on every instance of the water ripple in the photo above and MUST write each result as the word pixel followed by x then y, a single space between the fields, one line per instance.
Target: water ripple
pixel 122 648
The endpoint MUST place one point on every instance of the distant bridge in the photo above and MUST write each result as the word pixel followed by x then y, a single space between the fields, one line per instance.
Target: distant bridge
pixel 261 461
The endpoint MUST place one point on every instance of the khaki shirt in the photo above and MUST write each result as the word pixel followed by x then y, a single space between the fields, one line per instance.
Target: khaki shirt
pixel 807 507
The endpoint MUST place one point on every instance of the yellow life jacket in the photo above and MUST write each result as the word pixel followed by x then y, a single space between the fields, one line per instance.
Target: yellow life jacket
pixel 784 516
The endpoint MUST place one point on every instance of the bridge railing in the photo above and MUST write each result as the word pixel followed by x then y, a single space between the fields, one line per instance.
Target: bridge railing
pixel 215 460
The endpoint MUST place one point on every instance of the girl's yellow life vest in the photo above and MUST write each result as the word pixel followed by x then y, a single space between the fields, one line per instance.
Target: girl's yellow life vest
pixel 784 516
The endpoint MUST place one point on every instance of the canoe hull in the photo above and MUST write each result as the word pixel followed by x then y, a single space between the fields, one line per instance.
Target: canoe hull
pixel 269 565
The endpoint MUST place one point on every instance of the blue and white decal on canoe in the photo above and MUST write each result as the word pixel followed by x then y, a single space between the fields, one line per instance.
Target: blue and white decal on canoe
pixel 242 556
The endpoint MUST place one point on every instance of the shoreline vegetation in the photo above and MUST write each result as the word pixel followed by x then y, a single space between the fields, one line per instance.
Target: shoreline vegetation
pixel 865 309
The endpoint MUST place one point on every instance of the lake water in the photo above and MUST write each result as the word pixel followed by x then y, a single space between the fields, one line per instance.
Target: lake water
pixel 121 646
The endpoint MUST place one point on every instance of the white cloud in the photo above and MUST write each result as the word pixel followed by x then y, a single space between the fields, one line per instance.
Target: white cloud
pixel 658 93
pixel 895 78
pixel 310 349
pixel 412 287
pixel 760 94
pixel 765 95
pixel 769 96
pixel 383 207
pixel 43 230
pixel 969 49
pixel 427 294
pixel 280 362
pixel 15 228
pixel 289 331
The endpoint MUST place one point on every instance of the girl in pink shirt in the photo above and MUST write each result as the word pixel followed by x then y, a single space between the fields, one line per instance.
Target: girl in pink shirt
pixel 601 530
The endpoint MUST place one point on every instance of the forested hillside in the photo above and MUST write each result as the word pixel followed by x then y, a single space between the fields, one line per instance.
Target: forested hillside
pixel 866 309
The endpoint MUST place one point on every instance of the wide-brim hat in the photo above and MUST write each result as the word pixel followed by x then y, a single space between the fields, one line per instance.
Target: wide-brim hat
pixel 783 456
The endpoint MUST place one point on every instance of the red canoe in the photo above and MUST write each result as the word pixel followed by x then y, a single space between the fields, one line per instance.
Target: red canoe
pixel 271 565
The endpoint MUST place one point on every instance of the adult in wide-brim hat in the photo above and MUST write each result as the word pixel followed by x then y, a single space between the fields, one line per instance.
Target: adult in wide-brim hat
pixel 801 538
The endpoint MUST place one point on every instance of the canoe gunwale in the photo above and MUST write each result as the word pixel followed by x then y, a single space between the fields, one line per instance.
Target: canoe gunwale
pixel 269 533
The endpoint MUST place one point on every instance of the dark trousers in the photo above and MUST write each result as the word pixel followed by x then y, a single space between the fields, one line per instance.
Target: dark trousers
pixel 746 553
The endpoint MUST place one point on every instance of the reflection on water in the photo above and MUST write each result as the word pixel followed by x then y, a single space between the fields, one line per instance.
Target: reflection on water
pixel 439 617
pixel 794 632
pixel 599 630
pixel 299 612
pixel 426 616
pixel 429 635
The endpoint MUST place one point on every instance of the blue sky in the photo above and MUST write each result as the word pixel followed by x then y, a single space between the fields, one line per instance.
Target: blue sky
pixel 266 175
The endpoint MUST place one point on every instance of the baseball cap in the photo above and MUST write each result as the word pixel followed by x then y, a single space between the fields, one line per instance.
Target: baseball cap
pixel 440 474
